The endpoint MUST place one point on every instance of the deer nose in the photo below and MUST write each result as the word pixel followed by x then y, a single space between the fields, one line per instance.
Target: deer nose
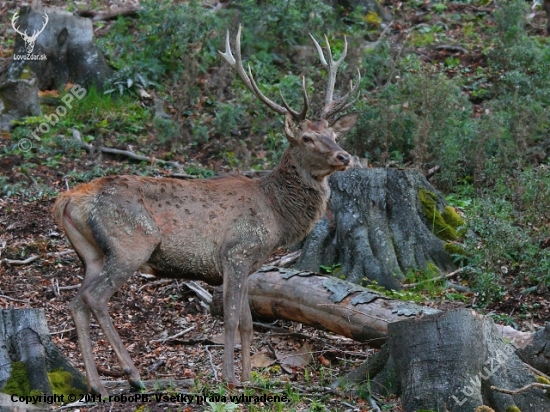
pixel 343 157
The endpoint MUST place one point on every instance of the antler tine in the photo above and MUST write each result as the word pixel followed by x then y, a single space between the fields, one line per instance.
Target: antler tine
pixel 331 66
pixel 236 63
pixel 303 113
pixel 344 102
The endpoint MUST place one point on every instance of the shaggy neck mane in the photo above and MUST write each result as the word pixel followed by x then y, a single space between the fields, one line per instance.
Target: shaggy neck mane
pixel 298 199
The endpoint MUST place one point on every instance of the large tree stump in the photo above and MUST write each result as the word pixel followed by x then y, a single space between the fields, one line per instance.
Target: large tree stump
pixel 18 98
pixel 449 362
pixel 25 338
pixel 379 229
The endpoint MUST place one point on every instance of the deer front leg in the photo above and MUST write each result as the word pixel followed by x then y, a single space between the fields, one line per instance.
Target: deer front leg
pixel 245 329
pixel 234 294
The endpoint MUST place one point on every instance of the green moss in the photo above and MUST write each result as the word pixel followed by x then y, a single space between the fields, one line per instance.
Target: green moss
pixel 25 74
pixel 18 382
pixel 513 409
pixel 62 383
pixel 542 379
pixel 447 225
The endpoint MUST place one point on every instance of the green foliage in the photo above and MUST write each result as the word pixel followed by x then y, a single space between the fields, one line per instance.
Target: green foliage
pixel 285 23
pixel 428 280
pixel 167 37
pixel 507 226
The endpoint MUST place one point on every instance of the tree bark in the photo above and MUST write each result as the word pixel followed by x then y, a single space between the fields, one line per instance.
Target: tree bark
pixel 377 227
pixel 24 337
pixel 18 98
pixel 449 362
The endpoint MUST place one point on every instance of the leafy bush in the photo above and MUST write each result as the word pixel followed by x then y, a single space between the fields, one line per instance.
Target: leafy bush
pixel 508 228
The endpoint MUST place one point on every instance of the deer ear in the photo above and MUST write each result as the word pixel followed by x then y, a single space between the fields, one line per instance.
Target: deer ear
pixel 344 123
pixel 290 128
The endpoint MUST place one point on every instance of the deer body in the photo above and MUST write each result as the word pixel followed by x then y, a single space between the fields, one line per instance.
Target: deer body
pixel 218 230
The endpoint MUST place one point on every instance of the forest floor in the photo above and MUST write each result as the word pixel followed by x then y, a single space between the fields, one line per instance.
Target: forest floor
pixel 147 312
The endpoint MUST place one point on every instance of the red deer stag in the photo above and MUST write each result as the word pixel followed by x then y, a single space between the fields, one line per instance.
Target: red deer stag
pixel 218 230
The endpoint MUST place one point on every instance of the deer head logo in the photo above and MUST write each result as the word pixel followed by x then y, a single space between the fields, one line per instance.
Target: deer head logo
pixel 29 40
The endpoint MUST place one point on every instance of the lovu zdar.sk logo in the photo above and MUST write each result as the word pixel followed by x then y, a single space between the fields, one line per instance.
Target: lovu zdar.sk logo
pixel 30 40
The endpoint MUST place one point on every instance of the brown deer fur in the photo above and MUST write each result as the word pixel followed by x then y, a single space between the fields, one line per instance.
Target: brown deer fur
pixel 218 230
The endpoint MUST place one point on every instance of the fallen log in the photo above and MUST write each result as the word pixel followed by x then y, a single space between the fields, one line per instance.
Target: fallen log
pixel 455 361
pixel 350 310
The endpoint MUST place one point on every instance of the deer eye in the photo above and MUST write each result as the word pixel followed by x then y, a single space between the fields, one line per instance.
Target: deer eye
pixel 306 139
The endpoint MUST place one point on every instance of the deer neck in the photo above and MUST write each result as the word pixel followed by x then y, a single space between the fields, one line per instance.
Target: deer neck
pixel 298 199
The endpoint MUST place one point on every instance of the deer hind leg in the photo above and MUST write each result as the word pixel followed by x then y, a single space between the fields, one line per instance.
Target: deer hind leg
pixel 92 259
pixel 116 271
pixel 109 263
pixel 81 317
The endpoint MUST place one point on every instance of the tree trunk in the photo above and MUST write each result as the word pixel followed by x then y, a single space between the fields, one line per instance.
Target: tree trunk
pixel 380 226
pixel 25 338
pixel 18 98
pixel 450 361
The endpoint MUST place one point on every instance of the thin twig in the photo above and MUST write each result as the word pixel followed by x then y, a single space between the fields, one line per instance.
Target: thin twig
pixel 31 259
pixel 69 287
pixel 14 300
pixel 90 148
pixel 520 390
pixel 12 262
pixel 448 275
pixel 177 335
pixel 59 332
pixel 74 405
pixel 207 347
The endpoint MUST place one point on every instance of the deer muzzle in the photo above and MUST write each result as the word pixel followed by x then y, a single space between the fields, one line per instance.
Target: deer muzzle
pixel 340 160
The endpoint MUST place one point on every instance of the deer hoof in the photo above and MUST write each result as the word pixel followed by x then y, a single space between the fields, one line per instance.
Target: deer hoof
pixel 136 383
pixel 99 389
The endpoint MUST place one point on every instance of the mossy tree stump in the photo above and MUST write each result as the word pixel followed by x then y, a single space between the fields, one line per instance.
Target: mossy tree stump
pixel 454 361
pixel 31 363
pixel 381 224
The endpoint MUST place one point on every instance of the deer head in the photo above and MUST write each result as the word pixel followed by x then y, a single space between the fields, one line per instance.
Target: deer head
pixel 313 139
pixel 29 40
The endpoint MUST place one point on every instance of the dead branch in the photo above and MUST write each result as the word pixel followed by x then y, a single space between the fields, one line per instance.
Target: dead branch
pixel 109 150
pixel 109 15
pixel 177 335
pixel 520 390
pixel 31 259
pixel 447 276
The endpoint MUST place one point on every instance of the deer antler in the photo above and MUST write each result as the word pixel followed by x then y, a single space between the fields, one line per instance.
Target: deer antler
pixel 236 63
pixel 333 107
